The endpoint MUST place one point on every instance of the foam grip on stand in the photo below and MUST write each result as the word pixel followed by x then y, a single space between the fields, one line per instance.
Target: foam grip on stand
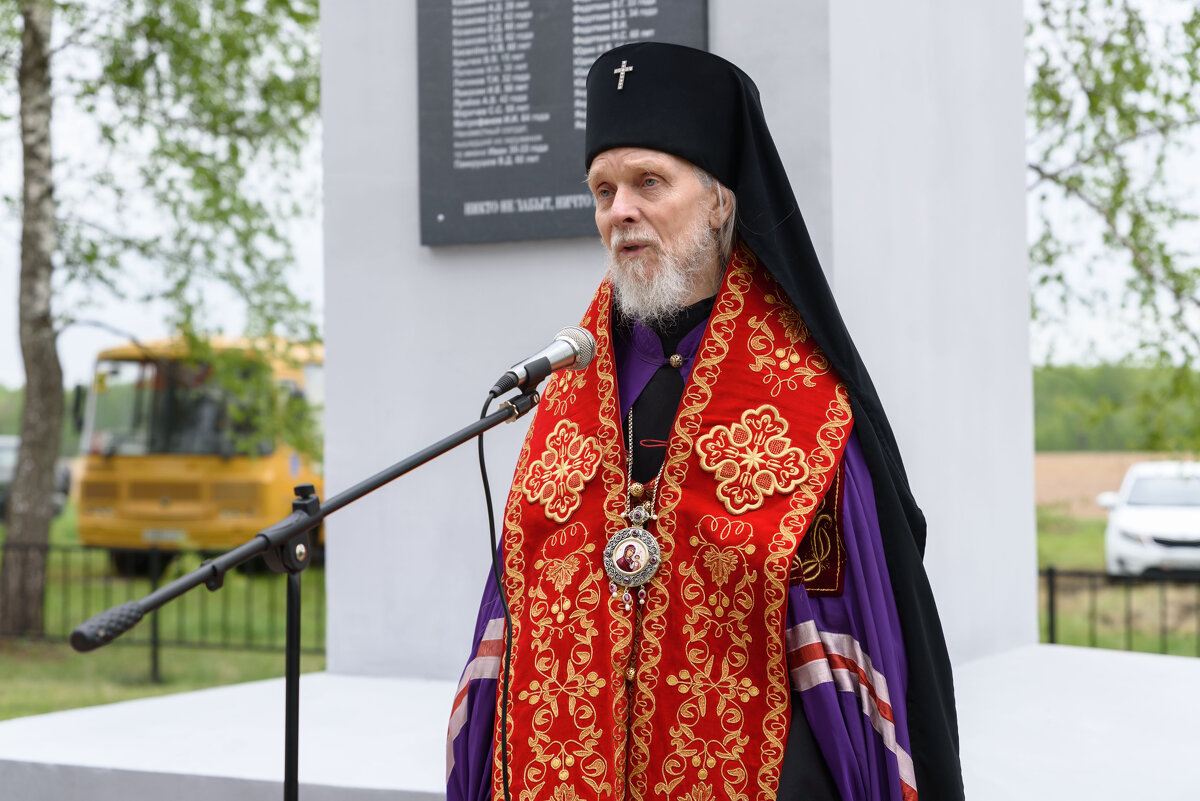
pixel 106 626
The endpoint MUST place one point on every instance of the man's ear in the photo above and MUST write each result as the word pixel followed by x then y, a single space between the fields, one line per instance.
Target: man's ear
pixel 720 206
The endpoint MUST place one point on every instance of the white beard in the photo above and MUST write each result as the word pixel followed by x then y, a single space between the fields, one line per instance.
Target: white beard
pixel 682 269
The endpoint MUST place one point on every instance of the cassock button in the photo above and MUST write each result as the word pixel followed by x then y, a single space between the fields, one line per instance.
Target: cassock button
pixel 629 674
pixel 676 361
pixel 637 490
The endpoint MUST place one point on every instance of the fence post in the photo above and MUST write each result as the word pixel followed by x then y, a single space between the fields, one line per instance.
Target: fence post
pixel 1092 583
pixel 1050 612
pixel 1129 615
pixel 1162 617
pixel 155 568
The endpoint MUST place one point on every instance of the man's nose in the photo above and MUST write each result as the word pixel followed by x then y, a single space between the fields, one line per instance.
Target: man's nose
pixel 625 208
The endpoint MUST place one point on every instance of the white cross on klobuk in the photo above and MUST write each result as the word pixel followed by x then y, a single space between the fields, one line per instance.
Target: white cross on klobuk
pixel 620 71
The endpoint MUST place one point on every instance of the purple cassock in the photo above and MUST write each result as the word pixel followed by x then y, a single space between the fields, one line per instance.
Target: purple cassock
pixel 845 652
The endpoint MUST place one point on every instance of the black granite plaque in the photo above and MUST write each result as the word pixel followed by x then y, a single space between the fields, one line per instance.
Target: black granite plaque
pixel 503 103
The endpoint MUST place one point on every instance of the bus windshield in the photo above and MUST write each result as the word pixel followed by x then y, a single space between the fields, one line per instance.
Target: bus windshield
pixel 163 406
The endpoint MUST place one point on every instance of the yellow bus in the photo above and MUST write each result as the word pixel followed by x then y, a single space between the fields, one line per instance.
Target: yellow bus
pixel 168 460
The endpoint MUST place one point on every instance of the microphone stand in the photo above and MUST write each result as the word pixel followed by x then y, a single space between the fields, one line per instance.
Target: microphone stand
pixel 286 549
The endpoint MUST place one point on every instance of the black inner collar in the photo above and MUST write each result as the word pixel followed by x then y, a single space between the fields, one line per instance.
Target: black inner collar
pixel 673 331
pixel 654 409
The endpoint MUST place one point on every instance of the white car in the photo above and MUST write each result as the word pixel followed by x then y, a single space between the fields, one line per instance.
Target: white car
pixel 1154 520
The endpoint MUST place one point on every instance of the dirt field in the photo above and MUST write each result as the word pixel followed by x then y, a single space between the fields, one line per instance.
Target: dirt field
pixel 1072 481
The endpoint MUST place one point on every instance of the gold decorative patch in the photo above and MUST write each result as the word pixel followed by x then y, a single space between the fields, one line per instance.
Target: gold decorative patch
pixel 557 480
pixel 752 459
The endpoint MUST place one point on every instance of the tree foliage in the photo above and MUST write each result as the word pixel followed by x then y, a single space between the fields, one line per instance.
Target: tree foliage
pixel 1114 88
pixel 200 111
pixel 1113 408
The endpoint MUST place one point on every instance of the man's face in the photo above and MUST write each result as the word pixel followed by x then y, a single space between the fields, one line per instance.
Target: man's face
pixel 658 221
pixel 649 199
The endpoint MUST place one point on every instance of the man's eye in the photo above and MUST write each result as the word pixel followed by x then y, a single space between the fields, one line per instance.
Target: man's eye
pixel 603 193
pixel 650 182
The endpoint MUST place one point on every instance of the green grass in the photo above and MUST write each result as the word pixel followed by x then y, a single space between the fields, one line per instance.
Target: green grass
pixel 1068 543
pixel 248 610
pixel 42 676
pixel 1162 618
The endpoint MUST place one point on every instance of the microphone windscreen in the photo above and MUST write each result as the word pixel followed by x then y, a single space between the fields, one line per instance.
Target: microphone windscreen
pixel 584 342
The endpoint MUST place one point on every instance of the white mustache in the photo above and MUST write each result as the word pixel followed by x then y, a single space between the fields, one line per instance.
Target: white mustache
pixel 623 236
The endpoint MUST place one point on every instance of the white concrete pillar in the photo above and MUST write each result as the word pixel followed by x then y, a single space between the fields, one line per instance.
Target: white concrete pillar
pixel 901 125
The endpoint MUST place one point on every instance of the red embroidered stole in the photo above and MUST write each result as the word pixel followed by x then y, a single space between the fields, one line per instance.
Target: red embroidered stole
pixel 756 443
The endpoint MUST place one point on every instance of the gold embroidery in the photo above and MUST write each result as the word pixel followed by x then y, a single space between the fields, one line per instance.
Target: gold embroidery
pixel 565 685
pixel 777 691
pixel 794 327
pixel 782 364
pixel 559 571
pixel 563 603
pixel 696 398
pixel 718 623
pixel 725 751
pixel 720 564
pixel 569 689
pixel 701 792
pixel 557 480
pixel 565 793
pixel 562 391
pixel 620 627
pixel 821 459
pixel 718 611
pixel 752 459
pixel 703 685
pixel 514 580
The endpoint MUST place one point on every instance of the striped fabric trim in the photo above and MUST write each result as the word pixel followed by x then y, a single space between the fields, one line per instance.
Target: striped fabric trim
pixel 485 665
pixel 822 657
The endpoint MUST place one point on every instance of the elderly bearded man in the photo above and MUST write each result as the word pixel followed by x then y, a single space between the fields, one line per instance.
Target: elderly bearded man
pixel 779 639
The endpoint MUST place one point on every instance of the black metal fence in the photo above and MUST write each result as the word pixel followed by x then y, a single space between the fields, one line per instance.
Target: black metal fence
pixel 246 614
pixel 1159 614
pixel 1155 614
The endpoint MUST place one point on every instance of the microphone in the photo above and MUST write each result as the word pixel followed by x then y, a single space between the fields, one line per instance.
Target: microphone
pixel 572 349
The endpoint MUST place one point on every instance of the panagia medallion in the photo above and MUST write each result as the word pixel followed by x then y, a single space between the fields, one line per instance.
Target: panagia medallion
pixel 631 558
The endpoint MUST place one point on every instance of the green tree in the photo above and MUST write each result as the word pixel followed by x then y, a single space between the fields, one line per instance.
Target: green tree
pixel 201 110
pixel 1108 408
pixel 1114 87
